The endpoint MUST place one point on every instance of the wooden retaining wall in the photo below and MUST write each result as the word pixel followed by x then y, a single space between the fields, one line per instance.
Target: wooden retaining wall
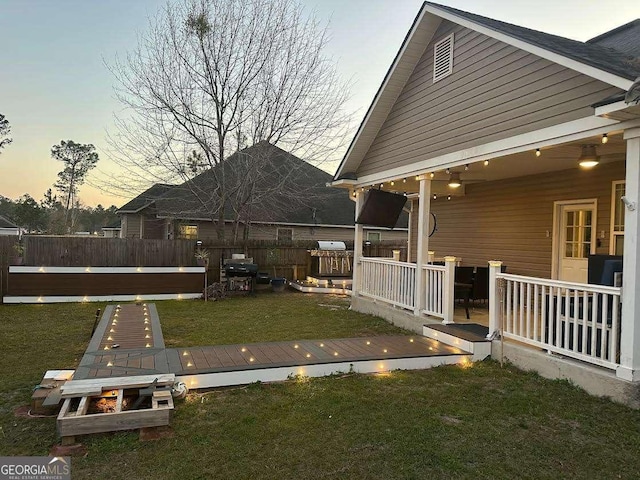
pixel 77 284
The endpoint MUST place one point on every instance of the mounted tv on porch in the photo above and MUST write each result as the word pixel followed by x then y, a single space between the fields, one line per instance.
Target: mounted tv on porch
pixel 381 209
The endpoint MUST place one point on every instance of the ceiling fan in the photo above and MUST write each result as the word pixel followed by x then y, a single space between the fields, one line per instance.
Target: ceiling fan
pixel 454 178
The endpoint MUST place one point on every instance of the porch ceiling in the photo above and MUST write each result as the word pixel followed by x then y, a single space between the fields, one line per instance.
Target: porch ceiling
pixel 555 158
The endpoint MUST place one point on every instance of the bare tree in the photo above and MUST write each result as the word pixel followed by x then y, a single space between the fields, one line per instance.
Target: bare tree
pixel 5 130
pixel 210 77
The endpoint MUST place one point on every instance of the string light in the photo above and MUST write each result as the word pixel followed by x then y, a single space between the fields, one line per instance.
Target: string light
pixel 404 180
pixel 486 163
pixel 432 174
pixel 466 167
pixel 538 152
pixel 435 196
pixel 447 171
pixel 605 138
pixel 448 197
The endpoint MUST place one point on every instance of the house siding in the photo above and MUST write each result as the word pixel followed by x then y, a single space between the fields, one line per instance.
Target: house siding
pixel 131 226
pixel 269 232
pixel 495 91
pixel 508 220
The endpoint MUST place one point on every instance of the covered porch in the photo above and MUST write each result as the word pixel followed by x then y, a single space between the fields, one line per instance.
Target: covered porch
pixel 528 217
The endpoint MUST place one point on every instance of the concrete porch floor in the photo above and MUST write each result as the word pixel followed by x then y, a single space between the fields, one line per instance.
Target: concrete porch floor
pixel 478 313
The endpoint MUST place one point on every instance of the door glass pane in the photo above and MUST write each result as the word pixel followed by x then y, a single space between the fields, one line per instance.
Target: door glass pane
pixel 568 250
pixel 569 234
pixel 619 239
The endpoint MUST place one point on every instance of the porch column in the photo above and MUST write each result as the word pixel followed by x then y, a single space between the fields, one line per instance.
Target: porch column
pixel 630 321
pixel 357 247
pixel 495 267
pixel 422 257
pixel 448 294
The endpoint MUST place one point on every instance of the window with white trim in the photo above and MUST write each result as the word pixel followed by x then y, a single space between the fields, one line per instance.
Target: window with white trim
pixel 284 234
pixel 443 58
pixel 188 232
pixel 616 246
pixel 374 237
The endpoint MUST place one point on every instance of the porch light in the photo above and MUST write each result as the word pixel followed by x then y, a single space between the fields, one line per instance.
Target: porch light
pixel 588 157
pixel 454 180
pixel 538 152
pixel 605 139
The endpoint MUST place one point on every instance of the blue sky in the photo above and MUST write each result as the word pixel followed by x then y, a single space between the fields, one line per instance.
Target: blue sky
pixel 54 83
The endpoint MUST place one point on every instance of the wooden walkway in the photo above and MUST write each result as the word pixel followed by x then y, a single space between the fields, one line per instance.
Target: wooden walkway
pixel 128 341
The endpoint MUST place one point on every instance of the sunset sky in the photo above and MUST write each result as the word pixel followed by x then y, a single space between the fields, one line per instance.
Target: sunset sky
pixel 55 83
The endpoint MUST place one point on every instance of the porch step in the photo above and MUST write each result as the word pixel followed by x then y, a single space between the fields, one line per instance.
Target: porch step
pixel 471 337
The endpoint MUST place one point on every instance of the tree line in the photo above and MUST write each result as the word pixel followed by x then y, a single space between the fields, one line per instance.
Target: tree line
pixel 53 215
pixel 48 215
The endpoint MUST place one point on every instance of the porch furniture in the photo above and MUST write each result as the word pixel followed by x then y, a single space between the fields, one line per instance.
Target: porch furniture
pixel 481 283
pixel 463 286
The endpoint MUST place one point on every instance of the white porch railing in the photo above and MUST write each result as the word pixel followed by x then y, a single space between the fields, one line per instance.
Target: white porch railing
pixel 575 320
pixel 435 298
pixel 395 283
pixel 389 281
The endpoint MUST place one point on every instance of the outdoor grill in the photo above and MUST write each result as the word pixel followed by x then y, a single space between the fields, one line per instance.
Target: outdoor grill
pixel 240 274
pixel 331 259
pixel 241 269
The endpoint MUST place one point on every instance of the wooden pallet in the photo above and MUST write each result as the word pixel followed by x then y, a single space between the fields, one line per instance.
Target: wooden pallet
pixel 74 418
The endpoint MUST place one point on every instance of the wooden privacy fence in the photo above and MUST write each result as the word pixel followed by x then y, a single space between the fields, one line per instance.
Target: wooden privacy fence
pixel 7 254
pixel 107 252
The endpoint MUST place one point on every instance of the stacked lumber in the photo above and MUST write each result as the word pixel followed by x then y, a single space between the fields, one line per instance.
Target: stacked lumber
pixel 77 418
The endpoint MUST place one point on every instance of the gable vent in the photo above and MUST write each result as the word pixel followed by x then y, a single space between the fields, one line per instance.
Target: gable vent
pixel 443 58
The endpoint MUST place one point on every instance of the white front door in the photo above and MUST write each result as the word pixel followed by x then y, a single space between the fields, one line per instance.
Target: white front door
pixel 576 240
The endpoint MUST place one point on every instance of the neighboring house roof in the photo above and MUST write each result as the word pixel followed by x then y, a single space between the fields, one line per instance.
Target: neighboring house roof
pixel 145 198
pixel 595 59
pixel 286 189
pixel 6 223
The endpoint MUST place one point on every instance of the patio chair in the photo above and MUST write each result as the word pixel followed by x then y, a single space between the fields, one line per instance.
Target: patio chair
pixel 463 286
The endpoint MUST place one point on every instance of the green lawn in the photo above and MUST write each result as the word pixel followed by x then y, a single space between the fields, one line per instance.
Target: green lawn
pixel 449 422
